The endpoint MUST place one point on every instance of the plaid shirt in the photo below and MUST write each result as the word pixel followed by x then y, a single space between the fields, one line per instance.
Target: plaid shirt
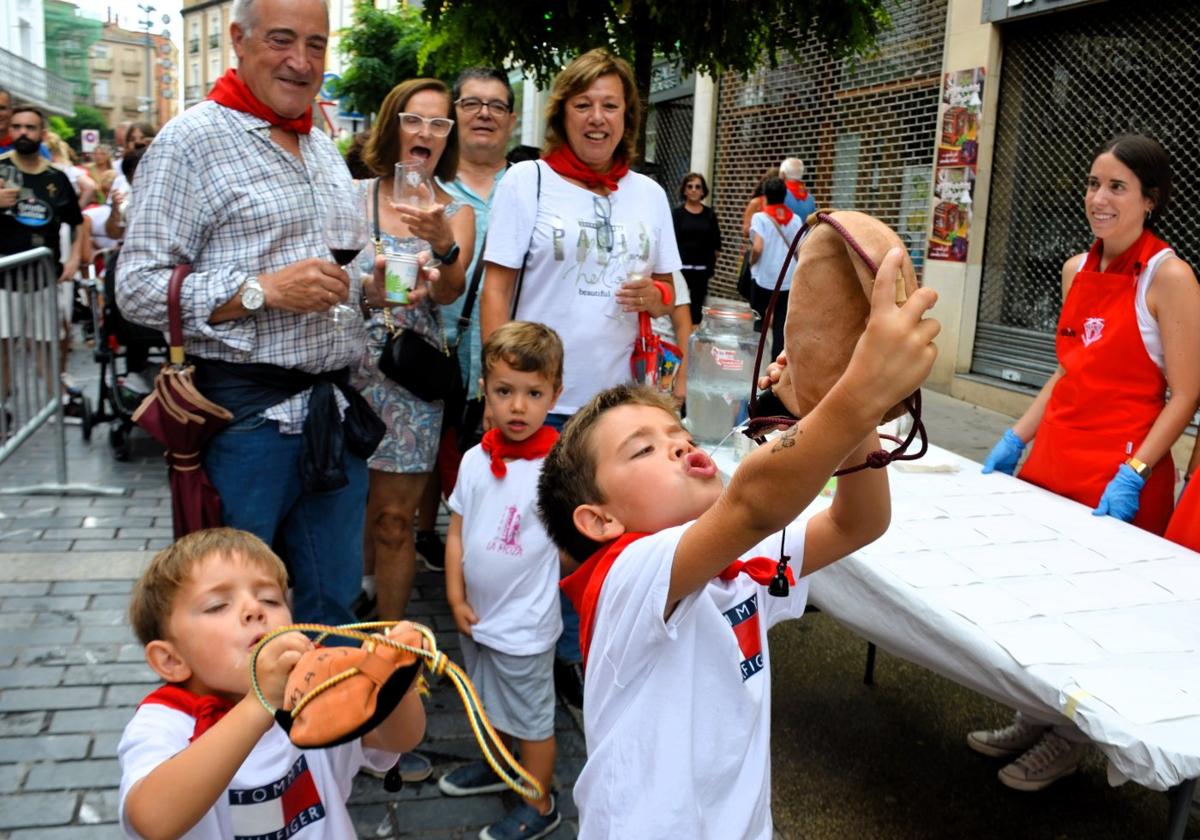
pixel 215 192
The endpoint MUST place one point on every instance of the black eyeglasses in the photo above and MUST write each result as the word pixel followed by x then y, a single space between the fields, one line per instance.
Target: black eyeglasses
pixel 473 105
pixel 602 206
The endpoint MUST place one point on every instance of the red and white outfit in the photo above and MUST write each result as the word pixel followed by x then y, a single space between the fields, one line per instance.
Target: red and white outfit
pixel 509 563
pixel 677 712
pixel 279 791
pixel 1113 388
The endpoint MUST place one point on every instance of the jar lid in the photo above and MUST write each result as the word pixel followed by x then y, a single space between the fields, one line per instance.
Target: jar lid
pixel 730 310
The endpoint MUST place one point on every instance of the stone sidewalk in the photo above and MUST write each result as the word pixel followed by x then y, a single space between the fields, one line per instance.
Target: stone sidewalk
pixel 71 673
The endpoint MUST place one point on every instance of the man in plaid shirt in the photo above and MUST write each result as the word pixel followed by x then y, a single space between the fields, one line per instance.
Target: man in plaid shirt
pixel 237 187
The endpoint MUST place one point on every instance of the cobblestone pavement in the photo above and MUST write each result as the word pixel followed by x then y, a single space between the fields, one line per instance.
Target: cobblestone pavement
pixel 71 672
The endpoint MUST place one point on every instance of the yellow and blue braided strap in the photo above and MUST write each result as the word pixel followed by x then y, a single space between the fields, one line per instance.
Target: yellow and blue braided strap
pixel 498 757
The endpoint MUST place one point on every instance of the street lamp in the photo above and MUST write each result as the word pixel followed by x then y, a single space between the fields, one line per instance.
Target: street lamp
pixel 147 23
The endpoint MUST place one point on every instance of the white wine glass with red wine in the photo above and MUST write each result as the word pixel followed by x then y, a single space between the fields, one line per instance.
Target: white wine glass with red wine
pixel 346 234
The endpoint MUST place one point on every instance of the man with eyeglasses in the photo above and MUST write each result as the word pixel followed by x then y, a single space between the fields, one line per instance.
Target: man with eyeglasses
pixel 483 107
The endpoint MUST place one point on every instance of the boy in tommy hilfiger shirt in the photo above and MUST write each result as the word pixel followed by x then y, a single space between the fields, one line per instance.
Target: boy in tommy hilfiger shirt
pixel 673 602
pixel 502 570
pixel 202 759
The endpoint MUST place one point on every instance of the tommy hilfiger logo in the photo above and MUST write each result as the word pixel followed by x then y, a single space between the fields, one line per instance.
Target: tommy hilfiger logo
pixel 278 810
pixel 1092 328
pixel 744 620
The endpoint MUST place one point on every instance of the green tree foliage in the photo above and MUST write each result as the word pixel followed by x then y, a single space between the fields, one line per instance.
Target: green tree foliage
pixel 385 48
pixel 61 127
pixel 86 116
pixel 709 36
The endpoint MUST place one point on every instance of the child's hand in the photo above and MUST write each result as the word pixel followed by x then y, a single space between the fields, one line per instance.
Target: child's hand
pixel 896 352
pixel 276 661
pixel 464 617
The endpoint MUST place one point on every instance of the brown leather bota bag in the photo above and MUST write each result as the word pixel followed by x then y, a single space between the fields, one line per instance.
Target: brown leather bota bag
pixel 829 304
pixel 337 694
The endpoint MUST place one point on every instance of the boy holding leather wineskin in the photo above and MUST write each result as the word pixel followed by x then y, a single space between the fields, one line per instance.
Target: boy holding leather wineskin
pixel 682 578
pixel 202 757
pixel 502 570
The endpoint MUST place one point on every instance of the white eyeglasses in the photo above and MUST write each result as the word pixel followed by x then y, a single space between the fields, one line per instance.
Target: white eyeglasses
pixel 413 123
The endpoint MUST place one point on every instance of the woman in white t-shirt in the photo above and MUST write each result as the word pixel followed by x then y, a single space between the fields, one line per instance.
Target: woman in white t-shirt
pixel 590 236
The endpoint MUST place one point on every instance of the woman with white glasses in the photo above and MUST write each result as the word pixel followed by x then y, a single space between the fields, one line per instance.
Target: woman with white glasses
pixel 414 124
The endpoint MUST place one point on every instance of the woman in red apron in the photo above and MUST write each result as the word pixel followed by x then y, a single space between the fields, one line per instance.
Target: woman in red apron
pixel 1102 425
pixel 1184 527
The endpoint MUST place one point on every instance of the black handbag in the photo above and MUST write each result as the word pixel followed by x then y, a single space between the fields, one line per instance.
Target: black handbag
pixel 427 371
pixel 745 283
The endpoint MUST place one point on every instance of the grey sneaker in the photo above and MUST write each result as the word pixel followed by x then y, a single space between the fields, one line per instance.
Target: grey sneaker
pixel 1008 741
pixel 412 767
pixel 470 779
pixel 523 823
pixel 1051 759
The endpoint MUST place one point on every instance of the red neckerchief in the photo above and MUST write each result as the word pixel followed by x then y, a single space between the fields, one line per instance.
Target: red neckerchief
pixel 234 93
pixel 759 569
pixel 797 189
pixel 779 212
pixel 583 586
pixel 565 162
pixel 206 709
pixel 1129 261
pixel 6 140
pixel 500 447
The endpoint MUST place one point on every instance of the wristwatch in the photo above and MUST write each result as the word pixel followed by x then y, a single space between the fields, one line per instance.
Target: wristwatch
pixel 449 257
pixel 252 295
pixel 1139 467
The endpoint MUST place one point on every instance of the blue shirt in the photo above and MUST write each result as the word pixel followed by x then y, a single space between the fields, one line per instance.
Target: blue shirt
pixel 470 351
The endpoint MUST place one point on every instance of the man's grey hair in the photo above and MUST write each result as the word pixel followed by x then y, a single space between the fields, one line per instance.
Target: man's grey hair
pixel 792 169
pixel 243 14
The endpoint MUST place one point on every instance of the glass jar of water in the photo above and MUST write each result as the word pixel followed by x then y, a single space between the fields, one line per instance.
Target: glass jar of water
pixel 720 370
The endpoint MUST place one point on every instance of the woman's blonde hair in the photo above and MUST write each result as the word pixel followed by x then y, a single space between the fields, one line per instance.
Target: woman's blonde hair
pixel 577 77
pixel 382 150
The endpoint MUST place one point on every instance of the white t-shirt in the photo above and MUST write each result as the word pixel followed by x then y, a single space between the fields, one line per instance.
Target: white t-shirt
pixel 97 217
pixel 510 565
pixel 279 791
pixel 766 271
pixel 677 713
pixel 570 280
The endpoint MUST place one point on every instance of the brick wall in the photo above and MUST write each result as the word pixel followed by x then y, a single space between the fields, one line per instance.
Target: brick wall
pixel 864 130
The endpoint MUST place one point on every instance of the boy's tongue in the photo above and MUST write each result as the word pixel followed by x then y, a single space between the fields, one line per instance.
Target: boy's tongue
pixel 700 465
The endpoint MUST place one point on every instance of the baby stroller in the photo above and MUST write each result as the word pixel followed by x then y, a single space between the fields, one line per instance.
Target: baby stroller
pixel 129 356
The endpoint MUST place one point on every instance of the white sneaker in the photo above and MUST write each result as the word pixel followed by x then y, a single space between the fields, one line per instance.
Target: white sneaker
pixel 1010 740
pixel 1051 759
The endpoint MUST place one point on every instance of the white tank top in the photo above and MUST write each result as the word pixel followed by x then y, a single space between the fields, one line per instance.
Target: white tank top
pixel 1147 326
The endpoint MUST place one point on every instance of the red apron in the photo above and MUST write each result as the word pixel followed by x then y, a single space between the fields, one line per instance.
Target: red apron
pixel 1185 522
pixel 1110 394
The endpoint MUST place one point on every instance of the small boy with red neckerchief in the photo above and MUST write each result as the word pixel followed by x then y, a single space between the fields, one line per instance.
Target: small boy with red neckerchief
pixel 674 605
pixel 502 570
pixel 202 758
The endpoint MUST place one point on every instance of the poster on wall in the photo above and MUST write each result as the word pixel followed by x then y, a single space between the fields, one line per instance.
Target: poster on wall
pixel 958 152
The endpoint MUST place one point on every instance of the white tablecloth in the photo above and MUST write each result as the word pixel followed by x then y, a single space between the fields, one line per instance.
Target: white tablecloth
pixel 1025 597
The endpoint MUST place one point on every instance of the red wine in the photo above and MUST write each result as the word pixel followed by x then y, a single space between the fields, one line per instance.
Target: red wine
pixel 344 256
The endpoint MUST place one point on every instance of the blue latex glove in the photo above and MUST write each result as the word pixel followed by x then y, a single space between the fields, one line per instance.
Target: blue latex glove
pixel 1121 496
pixel 1004 454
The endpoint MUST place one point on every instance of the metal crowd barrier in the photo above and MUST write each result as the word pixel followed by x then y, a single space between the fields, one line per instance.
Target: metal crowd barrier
pixel 30 385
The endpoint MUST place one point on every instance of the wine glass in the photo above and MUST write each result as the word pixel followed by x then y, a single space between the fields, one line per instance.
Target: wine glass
pixel 412 186
pixel 346 235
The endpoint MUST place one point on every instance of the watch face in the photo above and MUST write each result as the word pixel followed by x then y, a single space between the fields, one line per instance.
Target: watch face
pixel 252 298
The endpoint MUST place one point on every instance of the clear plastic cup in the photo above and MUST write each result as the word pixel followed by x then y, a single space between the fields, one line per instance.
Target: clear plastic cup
pixel 401 277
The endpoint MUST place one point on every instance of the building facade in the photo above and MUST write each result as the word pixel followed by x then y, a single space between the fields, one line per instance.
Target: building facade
pixel 207 48
pixel 133 76
pixel 23 58
pixel 69 38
